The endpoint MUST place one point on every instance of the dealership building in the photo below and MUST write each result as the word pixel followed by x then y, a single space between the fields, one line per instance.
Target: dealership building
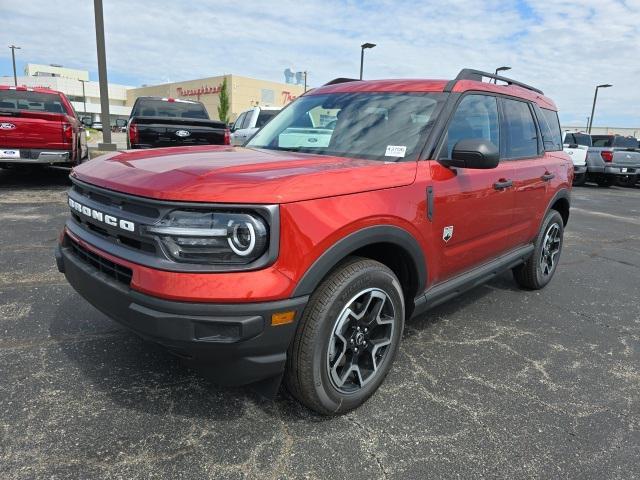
pixel 75 84
pixel 244 93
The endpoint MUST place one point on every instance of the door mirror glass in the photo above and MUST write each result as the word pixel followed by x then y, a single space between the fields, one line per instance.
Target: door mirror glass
pixel 86 121
pixel 120 122
pixel 475 153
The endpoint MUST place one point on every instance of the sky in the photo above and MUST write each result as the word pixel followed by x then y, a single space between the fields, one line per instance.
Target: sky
pixel 565 48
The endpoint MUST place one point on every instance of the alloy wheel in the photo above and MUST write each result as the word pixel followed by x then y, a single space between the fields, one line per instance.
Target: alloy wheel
pixel 550 249
pixel 360 340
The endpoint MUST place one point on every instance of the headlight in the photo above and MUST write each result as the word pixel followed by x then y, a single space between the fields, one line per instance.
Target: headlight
pixel 229 238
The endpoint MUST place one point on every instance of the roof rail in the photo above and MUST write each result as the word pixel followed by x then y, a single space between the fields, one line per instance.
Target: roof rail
pixel 471 74
pixel 341 80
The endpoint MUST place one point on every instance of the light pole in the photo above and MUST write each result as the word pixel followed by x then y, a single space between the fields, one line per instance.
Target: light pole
pixel 593 108
pixel 305 81
pixel 102 79
pixel 498 70
pixel 362 48
pixel 84 97
pixel 13 57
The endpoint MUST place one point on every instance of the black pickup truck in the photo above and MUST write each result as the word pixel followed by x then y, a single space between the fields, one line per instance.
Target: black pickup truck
pixel 170 122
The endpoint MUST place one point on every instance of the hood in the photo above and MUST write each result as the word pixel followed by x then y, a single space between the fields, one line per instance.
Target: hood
pixel 239 175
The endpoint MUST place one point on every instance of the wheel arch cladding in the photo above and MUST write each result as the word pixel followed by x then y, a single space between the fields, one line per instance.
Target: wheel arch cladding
pixel 392 246
pixel 562 204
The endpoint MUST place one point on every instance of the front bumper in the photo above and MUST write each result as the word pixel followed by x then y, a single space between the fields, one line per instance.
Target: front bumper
pixel 235 342
pixel 33 156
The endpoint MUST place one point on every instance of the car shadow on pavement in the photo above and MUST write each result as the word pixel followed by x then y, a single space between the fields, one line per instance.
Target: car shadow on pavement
pixel 143 377
pixel 36 176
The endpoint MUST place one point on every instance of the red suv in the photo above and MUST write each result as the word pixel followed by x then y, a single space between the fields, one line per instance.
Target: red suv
pixel 39 126
pixel 300 256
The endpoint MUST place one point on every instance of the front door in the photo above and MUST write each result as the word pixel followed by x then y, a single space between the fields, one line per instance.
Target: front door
pixel 472 209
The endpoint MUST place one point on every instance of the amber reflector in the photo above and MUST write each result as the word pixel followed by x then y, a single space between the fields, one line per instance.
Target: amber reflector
pixel 282 318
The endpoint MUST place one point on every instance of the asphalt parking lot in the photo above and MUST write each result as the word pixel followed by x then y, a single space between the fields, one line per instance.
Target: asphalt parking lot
pixel 497 383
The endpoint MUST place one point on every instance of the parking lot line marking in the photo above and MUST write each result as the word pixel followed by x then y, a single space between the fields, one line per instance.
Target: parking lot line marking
pixel 632 221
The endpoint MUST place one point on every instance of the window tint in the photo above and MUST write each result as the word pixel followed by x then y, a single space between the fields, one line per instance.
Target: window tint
pixel 520 130
pixel 625 142
pixel 475 117
pixel 154 107
pixel 247 119
pixel 577 139
pixel 34 101
pixel 551 133
pixel 264 116
pixel 602 140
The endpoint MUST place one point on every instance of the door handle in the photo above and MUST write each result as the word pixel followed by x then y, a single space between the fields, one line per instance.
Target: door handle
pixel 547 176
pixel 502 184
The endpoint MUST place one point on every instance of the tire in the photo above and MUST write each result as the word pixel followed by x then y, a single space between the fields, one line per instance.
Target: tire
pixel 533 274
pixel 606 181
pixel 579 179
pixel 329 339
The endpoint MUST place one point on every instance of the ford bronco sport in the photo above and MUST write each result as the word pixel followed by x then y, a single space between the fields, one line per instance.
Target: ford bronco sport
pixel 302 262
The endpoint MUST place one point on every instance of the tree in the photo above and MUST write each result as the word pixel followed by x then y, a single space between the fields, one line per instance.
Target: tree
pixel 223 108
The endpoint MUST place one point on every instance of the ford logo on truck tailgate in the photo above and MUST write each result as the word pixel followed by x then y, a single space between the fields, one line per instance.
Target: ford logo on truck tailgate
pixel 183 133
pixel 102 217
pixel 7 126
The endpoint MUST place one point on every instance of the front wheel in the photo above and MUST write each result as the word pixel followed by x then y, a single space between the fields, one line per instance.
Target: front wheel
pixel 538 270
pixel 347 338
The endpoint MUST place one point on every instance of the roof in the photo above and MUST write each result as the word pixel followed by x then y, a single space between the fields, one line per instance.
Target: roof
pixel 30 89
pixel 425 85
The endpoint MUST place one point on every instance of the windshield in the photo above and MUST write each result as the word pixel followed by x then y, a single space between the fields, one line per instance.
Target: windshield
pixel 33 101
pixel 376 126
pixel 149 107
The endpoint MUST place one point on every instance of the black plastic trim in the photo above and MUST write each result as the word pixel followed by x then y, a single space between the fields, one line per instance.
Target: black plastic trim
pixel 453 287
pixel 430 203
pixel 562 193
pixel 477 75
pixel 362 238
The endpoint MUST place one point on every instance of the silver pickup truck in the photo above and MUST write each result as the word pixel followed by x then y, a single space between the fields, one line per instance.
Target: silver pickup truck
pixel 613 158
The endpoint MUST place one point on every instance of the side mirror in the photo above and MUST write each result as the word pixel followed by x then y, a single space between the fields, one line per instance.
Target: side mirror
pixel 473 153
pixel 86 121
pixel 121 122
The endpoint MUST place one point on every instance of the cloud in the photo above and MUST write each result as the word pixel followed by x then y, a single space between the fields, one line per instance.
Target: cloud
pixel 565 48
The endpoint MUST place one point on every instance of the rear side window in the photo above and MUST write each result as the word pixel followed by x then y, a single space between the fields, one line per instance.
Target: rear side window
pixel 33 101
pixel 476 117
pixel 551 133
pixel 239 121
pixel 265 116
pixel 519 130
pixel 247 119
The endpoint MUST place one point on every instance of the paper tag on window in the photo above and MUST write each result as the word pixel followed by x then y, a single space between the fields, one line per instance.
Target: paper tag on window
pixel 395 151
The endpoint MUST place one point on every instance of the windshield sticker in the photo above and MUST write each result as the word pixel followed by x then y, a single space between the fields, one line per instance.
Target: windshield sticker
pixel 395 151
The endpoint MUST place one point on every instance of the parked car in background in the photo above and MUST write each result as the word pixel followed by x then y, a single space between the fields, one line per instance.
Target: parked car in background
pixel 97 126
pixel 250 121
pixel 576 145
pixel 38 126
pixel 303 262
pixel 170 122
pixel 613 158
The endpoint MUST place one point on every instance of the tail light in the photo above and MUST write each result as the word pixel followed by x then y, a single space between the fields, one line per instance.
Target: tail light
pixel 607 156
pixel 227 137
pixel 67 133
pixel 134 137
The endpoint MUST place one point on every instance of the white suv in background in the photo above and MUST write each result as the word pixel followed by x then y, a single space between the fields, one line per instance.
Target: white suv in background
pixel 250 121
pixel 576 144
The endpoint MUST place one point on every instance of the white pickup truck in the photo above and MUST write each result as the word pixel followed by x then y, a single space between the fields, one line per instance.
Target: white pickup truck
pixel 576 145
pixel 250 121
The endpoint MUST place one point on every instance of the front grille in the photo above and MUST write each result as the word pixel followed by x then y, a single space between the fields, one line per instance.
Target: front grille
pixel 117 272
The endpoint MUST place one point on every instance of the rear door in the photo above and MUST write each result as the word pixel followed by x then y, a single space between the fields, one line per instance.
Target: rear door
pixel 523 147
pixel 473 209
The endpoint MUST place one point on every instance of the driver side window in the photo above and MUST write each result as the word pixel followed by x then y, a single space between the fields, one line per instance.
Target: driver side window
pixel 476 117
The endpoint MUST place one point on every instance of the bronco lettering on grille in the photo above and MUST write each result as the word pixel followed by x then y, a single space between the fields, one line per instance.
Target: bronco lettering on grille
pixel 102 217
